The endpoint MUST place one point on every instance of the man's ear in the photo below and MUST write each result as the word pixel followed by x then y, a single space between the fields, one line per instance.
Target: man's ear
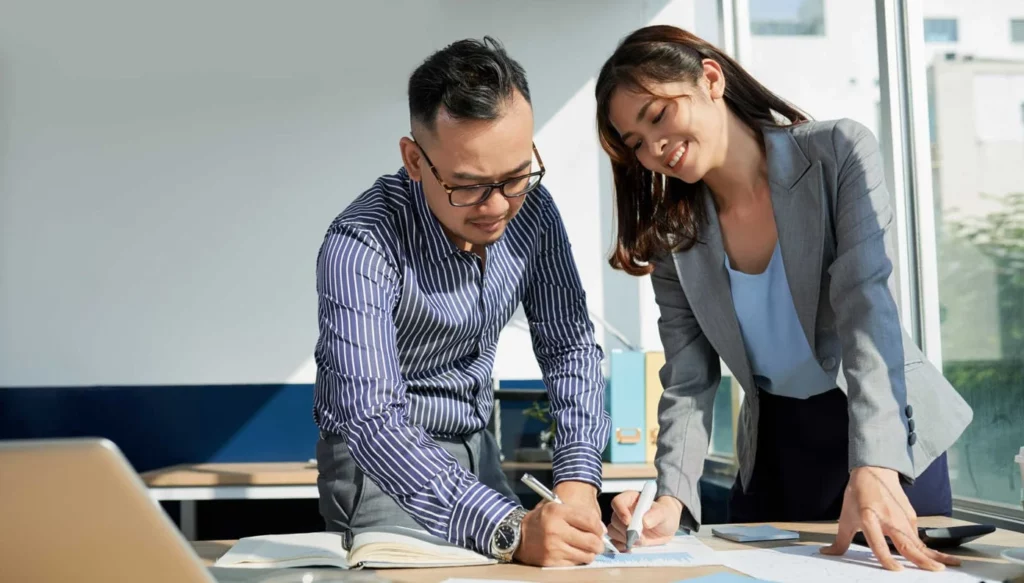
pixel 412 158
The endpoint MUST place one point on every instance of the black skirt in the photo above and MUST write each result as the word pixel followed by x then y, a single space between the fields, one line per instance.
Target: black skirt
pixel 801 469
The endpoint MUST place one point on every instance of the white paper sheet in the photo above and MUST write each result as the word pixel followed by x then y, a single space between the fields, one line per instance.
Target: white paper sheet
pixel 681 551
pixel 805 564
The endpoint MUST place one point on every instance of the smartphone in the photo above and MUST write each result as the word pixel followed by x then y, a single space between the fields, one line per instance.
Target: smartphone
pixel 941 538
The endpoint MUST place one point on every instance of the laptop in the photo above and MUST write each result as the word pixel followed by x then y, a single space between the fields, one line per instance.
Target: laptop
pixel 75 510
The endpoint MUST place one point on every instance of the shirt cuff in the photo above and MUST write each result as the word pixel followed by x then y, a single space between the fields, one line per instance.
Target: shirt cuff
pixel 578 462
pixel 476 516
pixel 686 494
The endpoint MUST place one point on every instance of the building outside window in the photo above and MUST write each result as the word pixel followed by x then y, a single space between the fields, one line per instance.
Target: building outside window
pixel 787 17
pixel 941 30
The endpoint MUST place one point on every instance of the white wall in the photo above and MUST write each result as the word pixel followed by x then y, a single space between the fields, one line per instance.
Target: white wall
pixel 168 170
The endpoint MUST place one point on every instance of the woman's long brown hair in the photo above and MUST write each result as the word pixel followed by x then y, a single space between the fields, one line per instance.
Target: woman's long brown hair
pixel 658 214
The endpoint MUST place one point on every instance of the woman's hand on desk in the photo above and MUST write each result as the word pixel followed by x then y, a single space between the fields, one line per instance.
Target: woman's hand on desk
pixel 660 523
pixel 875 503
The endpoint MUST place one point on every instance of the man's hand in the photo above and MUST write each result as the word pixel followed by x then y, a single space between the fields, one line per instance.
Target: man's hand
pixel 660 523
pixel 581 496
pixel 875 503
pixel 559 535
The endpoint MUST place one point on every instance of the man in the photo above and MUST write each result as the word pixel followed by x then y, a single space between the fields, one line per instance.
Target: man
pixel 416 278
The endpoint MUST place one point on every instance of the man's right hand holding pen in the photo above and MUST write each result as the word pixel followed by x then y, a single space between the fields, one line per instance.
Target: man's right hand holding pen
pixel 556 534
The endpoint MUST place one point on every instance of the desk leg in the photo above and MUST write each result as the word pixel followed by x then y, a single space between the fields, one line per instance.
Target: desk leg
pixel 188 519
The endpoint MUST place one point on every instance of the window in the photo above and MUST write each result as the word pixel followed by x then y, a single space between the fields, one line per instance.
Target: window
pixel 978 146
pixel 722 430
pixel 787 17
pixel 1017 30
pixel 838 77
pixel 941 30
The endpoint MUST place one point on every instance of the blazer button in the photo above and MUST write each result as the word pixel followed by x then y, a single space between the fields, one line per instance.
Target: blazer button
pixel 910 425
pixel 912 439
pixel 909 411
pixel 828 363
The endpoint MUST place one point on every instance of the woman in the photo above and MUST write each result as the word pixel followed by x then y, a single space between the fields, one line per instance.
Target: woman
pixel 767 237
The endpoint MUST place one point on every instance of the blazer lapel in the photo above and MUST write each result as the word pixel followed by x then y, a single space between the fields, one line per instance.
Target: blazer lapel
pixel 707 288
pixel 796 186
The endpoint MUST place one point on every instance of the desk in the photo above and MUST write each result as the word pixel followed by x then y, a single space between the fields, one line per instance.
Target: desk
pixel 980 558
pixel 283 480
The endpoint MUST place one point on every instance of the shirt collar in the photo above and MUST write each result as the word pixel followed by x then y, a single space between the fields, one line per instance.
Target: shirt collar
pixel 438 246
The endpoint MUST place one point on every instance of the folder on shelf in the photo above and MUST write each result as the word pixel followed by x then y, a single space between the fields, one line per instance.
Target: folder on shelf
pixel 626 404
pixel 652 395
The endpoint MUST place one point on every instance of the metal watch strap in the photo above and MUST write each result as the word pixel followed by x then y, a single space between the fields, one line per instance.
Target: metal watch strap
pixel 513 520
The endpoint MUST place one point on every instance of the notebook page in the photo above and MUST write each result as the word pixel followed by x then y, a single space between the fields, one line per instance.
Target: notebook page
pixel 284 550
pixel 405 546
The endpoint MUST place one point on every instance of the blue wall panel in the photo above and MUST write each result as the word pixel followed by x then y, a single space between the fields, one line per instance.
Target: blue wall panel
pixel 157 426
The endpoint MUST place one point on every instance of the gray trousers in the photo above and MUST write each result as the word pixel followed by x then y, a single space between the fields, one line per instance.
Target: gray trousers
pixel 350 501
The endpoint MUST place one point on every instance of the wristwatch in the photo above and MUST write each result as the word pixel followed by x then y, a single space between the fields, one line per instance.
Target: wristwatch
pixel 506 537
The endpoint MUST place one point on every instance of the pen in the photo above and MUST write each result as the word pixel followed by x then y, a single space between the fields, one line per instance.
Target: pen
pixel 636 524
pixel 542 491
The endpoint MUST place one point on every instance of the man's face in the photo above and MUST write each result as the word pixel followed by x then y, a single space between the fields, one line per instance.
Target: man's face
pixel 468 152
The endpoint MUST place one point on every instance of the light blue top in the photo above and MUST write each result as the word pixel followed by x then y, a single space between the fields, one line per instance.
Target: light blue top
pixel 780 357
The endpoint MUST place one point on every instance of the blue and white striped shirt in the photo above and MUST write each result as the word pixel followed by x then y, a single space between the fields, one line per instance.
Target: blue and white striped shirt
pixel 409 327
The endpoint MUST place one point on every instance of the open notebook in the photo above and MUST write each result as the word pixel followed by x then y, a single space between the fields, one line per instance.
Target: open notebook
pixel 380 548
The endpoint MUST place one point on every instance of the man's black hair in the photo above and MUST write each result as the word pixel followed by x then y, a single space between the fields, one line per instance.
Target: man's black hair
pixel 470 79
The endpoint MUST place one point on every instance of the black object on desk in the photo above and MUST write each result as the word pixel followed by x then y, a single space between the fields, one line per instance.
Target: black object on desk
pixel 941 538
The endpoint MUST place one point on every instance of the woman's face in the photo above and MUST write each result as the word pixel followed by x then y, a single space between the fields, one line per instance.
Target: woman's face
pixel 683 134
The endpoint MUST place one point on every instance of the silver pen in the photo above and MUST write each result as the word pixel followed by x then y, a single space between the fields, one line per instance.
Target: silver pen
pixel 543 491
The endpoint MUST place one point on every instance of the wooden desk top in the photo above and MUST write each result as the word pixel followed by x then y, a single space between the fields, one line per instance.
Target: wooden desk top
pixel 304 474
pixel 258 474
pixel 980 558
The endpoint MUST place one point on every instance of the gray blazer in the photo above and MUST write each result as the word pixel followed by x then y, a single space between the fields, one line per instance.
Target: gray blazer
pixel 835 224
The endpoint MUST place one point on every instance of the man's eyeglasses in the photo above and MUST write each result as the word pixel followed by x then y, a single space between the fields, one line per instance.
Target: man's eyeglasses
pixel 475 194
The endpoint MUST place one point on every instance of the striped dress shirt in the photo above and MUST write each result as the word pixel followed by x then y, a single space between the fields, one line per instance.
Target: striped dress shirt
pixel 409 327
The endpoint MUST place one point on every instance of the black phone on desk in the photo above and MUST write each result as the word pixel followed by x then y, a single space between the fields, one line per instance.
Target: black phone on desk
pixel 941 538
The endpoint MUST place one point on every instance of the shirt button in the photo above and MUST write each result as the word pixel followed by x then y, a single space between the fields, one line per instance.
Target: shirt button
pixel 912 439
pixel 828 363
pixel 909 411
pixel 910 425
